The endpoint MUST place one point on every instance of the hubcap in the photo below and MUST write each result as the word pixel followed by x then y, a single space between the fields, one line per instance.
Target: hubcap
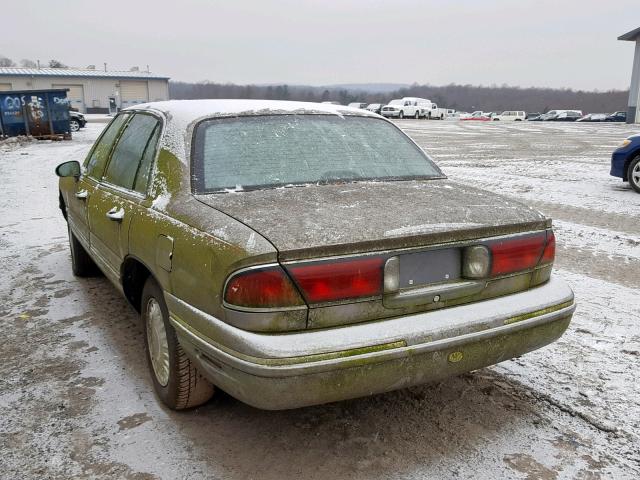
pixel 157 340
pixel 74 126
pixel 635 175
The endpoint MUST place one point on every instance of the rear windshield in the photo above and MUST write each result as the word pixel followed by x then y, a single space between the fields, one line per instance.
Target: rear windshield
pixel 244 153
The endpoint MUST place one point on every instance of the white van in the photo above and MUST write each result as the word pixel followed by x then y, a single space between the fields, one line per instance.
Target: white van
pixel 511 116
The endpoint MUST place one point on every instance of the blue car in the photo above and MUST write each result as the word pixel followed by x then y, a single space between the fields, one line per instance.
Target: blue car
pixel 625 162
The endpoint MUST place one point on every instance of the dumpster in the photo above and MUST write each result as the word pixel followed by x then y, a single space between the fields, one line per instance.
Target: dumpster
pixel 36 113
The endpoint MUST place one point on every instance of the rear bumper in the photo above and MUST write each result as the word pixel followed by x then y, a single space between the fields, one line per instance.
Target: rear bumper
pixel 312 367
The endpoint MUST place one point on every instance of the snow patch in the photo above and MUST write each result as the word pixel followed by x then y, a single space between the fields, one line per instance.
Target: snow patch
pixel 430 227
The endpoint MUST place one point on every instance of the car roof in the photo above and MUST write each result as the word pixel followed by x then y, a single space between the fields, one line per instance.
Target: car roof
pixel 188 111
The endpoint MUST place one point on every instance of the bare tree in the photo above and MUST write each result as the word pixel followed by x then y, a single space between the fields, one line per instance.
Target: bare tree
pixel 56 64
pixel 26 63
pixel 6 62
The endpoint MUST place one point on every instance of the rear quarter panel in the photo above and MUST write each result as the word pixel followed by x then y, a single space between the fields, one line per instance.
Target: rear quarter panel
pixel 207 244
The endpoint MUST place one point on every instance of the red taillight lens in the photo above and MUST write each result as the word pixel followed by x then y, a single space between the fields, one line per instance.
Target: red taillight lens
pixel 549 254
pixel 516 254
pixel 333 281
pixel 268 287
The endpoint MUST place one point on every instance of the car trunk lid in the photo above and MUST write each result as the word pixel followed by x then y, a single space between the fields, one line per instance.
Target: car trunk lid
pixel 314 221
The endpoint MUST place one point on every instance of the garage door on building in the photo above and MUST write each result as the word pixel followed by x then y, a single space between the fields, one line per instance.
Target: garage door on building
pixel 5 87
pixel 75 95
pixel 132 93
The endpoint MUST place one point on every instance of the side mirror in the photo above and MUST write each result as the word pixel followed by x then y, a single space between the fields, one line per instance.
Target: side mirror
pixel 68 169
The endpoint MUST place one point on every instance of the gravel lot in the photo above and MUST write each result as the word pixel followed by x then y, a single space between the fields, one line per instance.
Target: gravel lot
pixel 77 401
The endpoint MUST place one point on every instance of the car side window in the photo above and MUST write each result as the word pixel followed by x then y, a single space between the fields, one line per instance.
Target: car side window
pixel 127 155
pixel 100 154
pixel 142 177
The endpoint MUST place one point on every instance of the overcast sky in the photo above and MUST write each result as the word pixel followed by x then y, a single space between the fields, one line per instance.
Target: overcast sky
pixel 554 43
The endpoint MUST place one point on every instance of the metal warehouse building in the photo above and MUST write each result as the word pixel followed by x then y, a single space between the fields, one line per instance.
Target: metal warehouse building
pixel 633 113
pixel 90 91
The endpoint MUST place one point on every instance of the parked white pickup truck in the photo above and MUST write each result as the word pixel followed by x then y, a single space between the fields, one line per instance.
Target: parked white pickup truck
pixel 414 107
pixel 428 109
pixel 401 108
pixel 436 112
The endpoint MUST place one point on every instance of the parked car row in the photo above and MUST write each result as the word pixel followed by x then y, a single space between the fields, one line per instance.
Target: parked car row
pixel 577 116
pixel 407 107
pixel 414 107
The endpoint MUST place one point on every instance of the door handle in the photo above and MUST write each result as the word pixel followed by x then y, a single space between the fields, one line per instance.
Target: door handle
pixel 116 214
pixel 82 194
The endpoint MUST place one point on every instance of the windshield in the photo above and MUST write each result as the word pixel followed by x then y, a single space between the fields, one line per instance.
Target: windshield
pixel 250 152
pixel 396 102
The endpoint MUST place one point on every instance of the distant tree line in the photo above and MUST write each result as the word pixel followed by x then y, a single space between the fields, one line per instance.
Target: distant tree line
pixel 26 63
pixel 460 97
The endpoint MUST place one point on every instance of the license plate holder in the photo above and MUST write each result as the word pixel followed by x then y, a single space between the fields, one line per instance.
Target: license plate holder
pixel 429 267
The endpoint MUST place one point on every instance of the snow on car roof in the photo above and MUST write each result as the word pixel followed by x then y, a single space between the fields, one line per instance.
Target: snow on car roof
pixel 191 110
pixel 180 114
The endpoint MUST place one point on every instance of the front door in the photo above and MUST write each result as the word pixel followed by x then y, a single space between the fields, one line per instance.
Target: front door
pixel 87 184
pixel 77 208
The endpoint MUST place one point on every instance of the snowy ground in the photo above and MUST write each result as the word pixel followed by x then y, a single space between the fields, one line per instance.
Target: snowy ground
pixel 76 400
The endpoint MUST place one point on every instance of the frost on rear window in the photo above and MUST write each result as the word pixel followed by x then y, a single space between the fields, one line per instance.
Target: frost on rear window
pixel 243 153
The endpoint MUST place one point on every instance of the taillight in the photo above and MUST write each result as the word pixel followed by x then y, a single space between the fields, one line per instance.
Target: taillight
pixel 267 287
pixel 339 280
pixel 516 254
pixel 549 254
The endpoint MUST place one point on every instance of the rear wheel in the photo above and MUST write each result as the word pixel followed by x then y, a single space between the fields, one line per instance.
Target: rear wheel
pixel 175 379
pixel 401 114
pixel 633 174
pixel 81 263
pixel 417 115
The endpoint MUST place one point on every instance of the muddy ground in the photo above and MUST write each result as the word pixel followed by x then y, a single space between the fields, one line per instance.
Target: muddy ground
pixel 76 400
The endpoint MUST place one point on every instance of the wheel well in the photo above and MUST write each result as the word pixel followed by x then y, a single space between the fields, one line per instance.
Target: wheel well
pixel 134 276
pixel 633 155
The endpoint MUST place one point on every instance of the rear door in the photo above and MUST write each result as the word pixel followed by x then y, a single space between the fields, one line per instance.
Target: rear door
pixel 78 199
pixel 122 191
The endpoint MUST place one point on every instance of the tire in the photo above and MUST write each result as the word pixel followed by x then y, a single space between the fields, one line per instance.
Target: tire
pixel 74 125
pixel 417 115
pixel 633 174
pixel 82 265
pixel 175 379
pixel 401 115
